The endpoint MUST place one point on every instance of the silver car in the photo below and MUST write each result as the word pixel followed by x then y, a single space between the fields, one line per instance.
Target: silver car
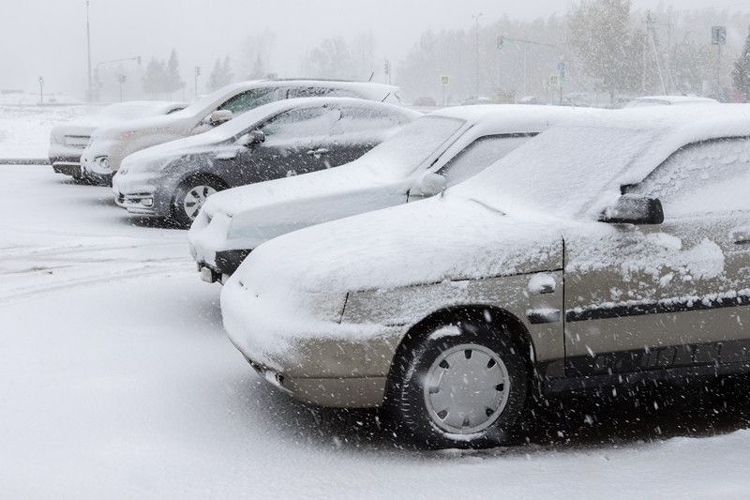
pixel 600 254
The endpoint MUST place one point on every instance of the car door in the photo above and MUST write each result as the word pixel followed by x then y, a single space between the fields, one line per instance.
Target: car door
pixel 291 138
pixel 674 295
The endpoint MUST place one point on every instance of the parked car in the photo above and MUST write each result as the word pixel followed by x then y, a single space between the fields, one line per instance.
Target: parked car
pixel 281 139
pixel 437 150
pixel 68 141
pixel 596 255
pixel 109 146
pixel 668 100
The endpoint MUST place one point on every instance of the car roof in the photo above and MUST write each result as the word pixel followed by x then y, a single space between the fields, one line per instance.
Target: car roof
pixel 370 90
pixel 507 118
pixel 675 99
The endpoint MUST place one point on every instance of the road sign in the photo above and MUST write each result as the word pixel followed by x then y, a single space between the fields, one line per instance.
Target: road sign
pixel 554 81
pixel 561 67
pixel 445 80
pixel 719 35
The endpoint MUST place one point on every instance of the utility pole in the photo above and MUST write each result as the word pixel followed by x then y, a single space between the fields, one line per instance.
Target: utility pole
pixel 476 20
pixel 718 38
pixel 88 48
pixel 197 74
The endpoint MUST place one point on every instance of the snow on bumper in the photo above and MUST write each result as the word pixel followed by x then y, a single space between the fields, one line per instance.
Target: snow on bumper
pixel 301 341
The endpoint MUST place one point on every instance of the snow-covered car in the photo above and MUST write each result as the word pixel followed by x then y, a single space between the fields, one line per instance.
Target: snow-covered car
pixel 282 139
pixel 110 145
pixel 67 142
pixel 668 100
pixel 601 254
pixel 438 150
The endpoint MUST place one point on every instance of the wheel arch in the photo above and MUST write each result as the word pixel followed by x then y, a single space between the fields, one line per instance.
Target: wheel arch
pixel 453 315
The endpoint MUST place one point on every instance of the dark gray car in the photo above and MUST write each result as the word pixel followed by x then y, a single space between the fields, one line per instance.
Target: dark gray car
pixel 281 139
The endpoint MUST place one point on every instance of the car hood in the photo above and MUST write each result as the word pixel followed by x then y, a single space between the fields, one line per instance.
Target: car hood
pixel 206 143
pixel 280 192
pixel 177 122
pixel 444 238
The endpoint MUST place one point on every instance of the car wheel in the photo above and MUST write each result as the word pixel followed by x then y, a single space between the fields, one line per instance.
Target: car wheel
pixel 465 386
pixel 190 197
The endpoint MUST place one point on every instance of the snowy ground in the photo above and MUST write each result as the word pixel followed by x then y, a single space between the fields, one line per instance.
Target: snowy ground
pixel 116 381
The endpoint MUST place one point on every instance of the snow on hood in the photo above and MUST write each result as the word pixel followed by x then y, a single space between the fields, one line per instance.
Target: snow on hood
pixel 114 115
pixel 443 238
pixel 270 194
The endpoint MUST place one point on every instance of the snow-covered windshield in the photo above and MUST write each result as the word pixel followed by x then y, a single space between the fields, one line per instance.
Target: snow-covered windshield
pixel 560 172
pixel 403 153
pixel 201 105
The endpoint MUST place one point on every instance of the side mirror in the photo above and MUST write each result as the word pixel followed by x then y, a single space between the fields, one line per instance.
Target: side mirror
pixel 634 209
pixel 251 139
pixel 432 184
pixel 220 116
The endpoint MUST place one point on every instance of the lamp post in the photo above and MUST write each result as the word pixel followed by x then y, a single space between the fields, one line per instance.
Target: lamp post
pixel 88 49
pixel 476 21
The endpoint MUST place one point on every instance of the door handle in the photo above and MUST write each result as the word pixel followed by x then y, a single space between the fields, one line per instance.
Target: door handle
pixel 741 236
pixel 318 152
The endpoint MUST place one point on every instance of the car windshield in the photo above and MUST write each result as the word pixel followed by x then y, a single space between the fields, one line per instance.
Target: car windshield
pixel 403 153
pixel 560 172
pixel 199 107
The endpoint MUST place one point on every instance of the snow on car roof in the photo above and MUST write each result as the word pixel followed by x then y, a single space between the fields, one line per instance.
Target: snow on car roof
pixel 677 99
pixel 515 118
pixel 571 165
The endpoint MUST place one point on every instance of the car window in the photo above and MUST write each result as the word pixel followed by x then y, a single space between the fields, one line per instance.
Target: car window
pixel 481 154
pixel 707 177
pixel 249 100
pixel 365 119
pixel 304 122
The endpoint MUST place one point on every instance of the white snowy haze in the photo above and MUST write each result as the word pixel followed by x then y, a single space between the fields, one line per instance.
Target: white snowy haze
pixel 48 37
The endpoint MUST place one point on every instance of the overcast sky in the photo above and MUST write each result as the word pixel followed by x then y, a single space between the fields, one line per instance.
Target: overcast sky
pixel 48 37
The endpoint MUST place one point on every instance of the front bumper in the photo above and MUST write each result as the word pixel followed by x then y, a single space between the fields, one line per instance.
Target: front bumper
pixel 73 169
pixel 226 263
pixel 365 392
pixel 321 362
pixel 142 195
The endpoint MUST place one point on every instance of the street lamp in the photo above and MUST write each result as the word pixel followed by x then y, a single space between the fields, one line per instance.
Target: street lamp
pixel 476 20
pixel 88 48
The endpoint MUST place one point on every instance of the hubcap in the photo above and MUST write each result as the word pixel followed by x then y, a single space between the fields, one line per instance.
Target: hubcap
pixel 195 198
pixel 466 389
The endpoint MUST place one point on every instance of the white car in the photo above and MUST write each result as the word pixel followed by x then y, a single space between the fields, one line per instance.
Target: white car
pixel 109 146
pixel 435 151
pixel 605 255
pixel 668 100
pixel 68 141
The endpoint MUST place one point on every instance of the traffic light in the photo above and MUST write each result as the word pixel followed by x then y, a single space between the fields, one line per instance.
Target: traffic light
pixel 501 42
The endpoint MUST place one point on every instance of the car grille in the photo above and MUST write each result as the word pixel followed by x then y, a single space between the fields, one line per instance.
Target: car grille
pixel 77 141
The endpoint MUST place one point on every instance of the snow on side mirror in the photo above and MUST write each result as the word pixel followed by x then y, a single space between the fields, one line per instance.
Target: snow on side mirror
pixel 432 184
pixel 220 116
pixel 252 138
pixel 634 209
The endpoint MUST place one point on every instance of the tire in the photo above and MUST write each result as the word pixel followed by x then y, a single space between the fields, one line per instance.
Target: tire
pixel 190 197
pixel 428 397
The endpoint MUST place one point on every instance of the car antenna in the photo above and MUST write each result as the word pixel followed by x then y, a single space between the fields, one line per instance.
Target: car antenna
pixel 372 75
